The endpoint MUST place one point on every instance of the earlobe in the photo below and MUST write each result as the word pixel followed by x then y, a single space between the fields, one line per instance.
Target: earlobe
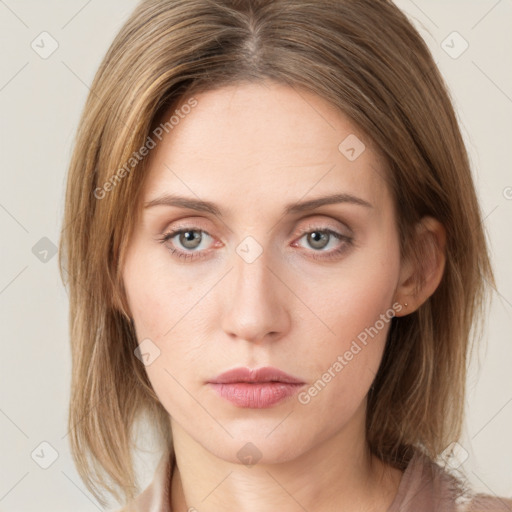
pixel 423 270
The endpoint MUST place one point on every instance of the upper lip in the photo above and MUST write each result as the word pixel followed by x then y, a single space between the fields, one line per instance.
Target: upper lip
pixel 265 374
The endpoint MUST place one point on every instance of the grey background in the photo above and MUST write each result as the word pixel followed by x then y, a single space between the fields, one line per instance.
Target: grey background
pixel 41 100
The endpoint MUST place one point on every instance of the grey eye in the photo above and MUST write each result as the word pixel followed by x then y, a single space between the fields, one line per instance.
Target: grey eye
pixel 190 239
pixel 318 239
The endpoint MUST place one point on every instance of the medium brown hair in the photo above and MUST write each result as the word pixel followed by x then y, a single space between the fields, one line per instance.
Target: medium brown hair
pixel 365 58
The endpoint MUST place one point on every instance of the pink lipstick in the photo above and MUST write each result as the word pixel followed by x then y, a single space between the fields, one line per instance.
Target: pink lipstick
pixel 257 389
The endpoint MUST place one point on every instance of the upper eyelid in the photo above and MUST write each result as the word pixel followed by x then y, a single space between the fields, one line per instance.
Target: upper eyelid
pixel 310 224
pixel 191 227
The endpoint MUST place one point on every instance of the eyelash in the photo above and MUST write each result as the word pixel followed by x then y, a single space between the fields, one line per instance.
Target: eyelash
pixel 348 241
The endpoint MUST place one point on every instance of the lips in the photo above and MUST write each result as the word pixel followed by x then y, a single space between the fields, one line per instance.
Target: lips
pixel 258 375
pixel 255 389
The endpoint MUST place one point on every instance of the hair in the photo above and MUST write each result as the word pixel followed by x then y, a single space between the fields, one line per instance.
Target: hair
pixel 367 60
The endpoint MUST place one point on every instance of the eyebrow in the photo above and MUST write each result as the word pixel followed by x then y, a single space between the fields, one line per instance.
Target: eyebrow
pixel 298 207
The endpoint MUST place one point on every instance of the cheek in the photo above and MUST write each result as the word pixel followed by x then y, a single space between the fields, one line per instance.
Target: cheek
pixel 164 311
pixel 356 309
pixel 364 287
pixel 358 300
pixel 168 310
pixel 158 298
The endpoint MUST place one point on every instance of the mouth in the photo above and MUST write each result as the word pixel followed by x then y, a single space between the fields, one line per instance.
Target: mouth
pixel 256 389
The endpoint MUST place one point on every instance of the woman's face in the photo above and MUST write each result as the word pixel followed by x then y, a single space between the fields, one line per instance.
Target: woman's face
pixel 260 277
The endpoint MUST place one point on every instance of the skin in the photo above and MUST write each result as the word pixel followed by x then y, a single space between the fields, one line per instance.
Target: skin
pixel 252 149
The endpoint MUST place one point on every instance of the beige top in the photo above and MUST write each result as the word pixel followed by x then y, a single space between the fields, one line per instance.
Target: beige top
pixel 424 487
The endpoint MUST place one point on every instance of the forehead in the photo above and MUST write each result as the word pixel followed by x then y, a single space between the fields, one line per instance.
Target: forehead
pixel 263 144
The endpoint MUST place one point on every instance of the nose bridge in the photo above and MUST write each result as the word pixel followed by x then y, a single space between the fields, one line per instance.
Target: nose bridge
pixel 253 306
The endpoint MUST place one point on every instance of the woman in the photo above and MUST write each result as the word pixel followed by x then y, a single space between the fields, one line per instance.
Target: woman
pixel 275 257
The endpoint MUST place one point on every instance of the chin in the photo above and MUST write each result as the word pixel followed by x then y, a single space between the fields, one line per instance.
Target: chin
pixel 254 446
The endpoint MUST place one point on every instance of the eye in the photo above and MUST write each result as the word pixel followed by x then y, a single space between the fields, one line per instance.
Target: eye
pixel 321 238
pixel 191 242
pixel 191 239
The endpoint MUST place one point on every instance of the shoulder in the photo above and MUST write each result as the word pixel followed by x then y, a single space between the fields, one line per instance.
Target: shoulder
pixel 486 503
pixel 458 491
pixel 427 487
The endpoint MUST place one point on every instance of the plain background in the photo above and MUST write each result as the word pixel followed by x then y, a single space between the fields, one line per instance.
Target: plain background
pixel 41 100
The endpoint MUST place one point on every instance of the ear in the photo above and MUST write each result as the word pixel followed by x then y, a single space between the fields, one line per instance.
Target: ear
pixel 420 277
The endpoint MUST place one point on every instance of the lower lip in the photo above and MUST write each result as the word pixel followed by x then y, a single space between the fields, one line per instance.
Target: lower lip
pixel 257 395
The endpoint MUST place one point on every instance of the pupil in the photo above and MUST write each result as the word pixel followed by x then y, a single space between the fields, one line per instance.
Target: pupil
pixel 316 237
pixel 191 236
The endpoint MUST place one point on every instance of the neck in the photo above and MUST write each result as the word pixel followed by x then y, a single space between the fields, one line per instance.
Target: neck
pixel 338 474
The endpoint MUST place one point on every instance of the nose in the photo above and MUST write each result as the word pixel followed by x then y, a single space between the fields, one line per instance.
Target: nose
pixel 256 300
